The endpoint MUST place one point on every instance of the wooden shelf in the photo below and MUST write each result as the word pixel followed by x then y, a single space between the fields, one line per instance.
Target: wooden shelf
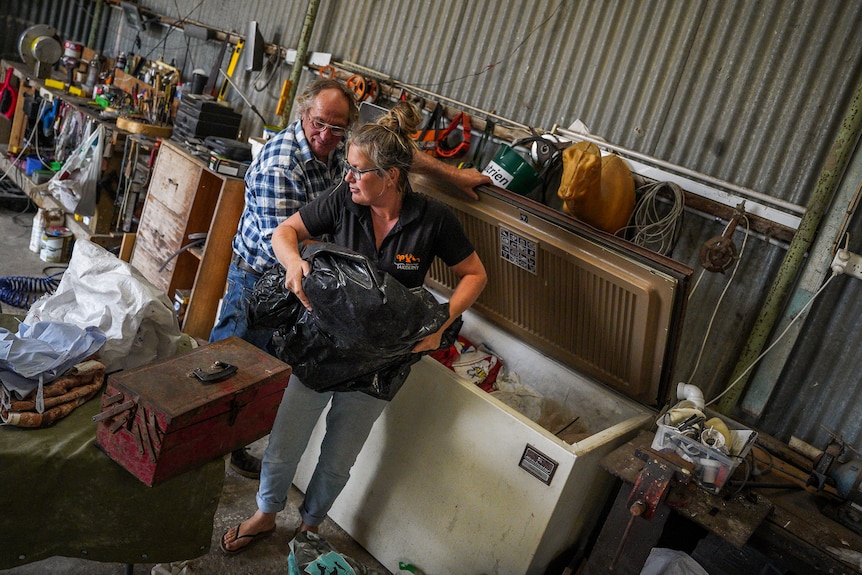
pixel 95 228
pixel 197 252
pixel 42 198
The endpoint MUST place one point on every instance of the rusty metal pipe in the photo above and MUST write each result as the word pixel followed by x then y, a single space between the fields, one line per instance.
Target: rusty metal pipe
pixel 94 24
pixel 301 54
pixel 831 174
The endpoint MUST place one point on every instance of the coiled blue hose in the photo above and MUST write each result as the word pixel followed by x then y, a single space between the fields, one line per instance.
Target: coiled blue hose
pixel 21 291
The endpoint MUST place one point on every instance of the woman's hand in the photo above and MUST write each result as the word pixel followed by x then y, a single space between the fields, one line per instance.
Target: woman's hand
pixel 285 245
pixel 471 282
pixel 296 269
pixel 429 342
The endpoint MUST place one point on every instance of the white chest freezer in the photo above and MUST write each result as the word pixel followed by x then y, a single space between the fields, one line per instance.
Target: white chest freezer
pixel 454 481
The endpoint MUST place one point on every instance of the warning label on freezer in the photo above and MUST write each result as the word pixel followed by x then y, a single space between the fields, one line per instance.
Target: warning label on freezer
pixel 517 249
pixel 538 464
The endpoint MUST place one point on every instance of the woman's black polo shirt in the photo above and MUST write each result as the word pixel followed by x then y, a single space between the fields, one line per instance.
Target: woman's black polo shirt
pixel 426 229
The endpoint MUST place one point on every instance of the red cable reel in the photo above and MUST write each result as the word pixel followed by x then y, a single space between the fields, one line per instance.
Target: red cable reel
pixel 363 90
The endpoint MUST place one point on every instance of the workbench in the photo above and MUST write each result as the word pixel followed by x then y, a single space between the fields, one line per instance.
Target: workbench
pixel 97 227
pixel 785 525
pixel 63 496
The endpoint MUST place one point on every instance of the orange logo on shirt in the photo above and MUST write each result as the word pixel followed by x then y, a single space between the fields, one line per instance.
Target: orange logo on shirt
pixel 406 259
pixel 406 262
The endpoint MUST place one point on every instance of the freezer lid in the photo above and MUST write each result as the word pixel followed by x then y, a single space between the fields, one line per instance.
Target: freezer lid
pixel 597 303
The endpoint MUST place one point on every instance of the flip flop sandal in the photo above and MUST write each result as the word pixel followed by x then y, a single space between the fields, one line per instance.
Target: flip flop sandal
pixel 237 537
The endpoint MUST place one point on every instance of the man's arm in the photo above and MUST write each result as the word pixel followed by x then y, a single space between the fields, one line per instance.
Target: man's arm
pixel 464 180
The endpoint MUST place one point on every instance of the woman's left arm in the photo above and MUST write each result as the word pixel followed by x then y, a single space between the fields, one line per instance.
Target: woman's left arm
pixel 471 281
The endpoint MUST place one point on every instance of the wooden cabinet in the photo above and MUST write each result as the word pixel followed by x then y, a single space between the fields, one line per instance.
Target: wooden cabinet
pixel 186 199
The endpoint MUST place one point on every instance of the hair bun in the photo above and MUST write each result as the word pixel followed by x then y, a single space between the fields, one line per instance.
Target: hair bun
pixel 403 118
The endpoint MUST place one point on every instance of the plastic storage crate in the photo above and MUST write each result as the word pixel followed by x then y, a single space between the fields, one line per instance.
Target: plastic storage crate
pixel 713 467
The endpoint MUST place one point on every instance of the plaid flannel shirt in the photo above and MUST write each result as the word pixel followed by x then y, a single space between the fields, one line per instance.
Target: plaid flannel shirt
pixel 283 177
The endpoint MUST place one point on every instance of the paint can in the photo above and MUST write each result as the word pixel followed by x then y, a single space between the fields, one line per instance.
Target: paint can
pixel 72 49
pixel 56 245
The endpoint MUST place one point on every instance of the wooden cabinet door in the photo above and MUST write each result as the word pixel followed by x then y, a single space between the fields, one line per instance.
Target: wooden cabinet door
pixel 175 181
pixel 164 221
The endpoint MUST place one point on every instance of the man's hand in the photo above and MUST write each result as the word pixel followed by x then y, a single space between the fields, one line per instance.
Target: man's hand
pixel 294 272
pixel 465 180
pixel 468 179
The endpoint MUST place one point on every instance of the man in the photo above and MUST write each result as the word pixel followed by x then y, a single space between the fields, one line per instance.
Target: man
pixel 295 166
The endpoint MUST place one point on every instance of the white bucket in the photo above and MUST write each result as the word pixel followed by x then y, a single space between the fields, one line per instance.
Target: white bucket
pixel 56 245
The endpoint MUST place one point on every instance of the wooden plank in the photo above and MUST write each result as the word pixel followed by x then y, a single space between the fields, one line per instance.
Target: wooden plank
pixel 784 452
pixel 19 120
pixel 209 284
pixel 799 526
pixel 126 246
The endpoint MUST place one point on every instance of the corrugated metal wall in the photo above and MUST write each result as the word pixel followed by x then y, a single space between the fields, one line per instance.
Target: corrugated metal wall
pixel 752 93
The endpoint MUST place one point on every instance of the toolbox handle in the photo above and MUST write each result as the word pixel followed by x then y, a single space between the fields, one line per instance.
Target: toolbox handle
pixel 218 371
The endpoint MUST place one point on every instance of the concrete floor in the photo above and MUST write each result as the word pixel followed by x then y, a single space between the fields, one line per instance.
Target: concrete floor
pixel 268 556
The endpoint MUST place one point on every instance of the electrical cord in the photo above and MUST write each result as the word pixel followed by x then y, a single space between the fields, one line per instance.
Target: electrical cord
pixel 746 477
pixel 774 343
pixel 720 298
pixel 26 144
pixel 502 59
pixel 271 62
pixel 178 24
pixel 197 240
pixel 654 229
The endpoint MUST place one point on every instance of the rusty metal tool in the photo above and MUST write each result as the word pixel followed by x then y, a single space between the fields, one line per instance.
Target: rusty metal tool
pixel 652 486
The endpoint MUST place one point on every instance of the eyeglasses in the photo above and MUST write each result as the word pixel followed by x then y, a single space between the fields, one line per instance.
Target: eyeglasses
pixel 321 126
pixel 356 172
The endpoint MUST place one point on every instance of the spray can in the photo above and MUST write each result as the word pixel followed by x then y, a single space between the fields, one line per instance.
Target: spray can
pixel 39 223
pixel 44 219
pixel 93 70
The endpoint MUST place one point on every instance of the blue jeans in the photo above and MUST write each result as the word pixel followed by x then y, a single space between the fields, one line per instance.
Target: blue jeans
pixel 348 424
pixel 233 318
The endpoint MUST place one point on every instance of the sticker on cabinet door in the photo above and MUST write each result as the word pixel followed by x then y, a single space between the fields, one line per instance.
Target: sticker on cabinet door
pixel 519 250
pixel 538 464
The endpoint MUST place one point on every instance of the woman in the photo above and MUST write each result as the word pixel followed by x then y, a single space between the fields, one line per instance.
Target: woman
pixel 375 212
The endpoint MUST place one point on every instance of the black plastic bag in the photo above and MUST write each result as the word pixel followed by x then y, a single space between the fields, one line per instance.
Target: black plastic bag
pixel 361 330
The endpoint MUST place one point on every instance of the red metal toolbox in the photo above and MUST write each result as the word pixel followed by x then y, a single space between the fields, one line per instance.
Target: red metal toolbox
pixel 161 419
